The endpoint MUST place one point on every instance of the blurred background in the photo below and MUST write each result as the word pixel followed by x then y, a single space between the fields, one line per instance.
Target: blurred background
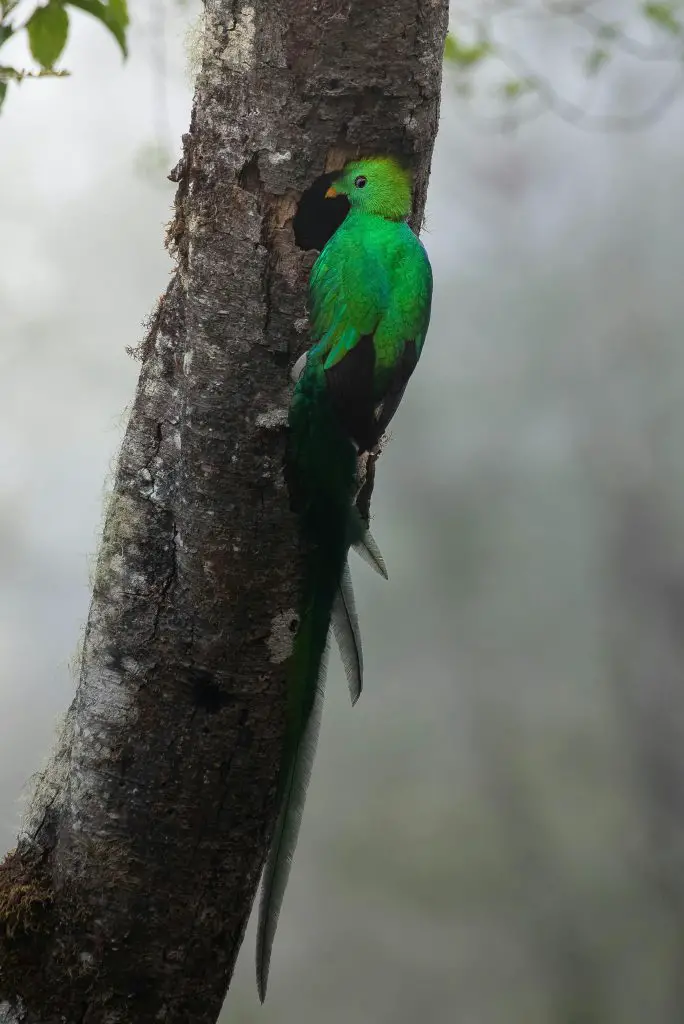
pixel 495 834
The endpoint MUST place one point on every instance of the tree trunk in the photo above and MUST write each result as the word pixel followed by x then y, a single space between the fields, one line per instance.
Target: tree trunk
pixel 130 888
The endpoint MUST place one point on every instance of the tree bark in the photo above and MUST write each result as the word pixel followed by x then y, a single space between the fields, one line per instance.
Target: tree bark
pixel 127 896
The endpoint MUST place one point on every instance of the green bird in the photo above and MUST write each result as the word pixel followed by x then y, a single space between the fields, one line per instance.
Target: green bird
pixel 369 297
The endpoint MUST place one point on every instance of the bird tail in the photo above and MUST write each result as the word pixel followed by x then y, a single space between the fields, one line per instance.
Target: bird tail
pixel 364 543
pixel 321 468
pixel 345 624
pixel 345 621
pixel 305 702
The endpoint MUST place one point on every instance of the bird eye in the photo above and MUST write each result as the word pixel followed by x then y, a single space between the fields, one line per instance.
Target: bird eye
pixel 360 181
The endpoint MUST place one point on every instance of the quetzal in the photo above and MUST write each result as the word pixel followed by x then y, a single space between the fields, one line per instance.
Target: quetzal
pixel 369 296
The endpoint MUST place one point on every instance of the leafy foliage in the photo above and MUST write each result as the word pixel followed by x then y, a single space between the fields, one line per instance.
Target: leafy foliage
pixel 479 55
pixel 664 16
pixel 114 15
pixel 47 30
pixel 463 54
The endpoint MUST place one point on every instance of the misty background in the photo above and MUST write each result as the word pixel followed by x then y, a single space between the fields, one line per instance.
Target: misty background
pixel 495 834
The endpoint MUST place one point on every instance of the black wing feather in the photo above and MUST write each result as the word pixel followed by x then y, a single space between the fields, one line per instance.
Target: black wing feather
pixel 352 392
pixel 351 387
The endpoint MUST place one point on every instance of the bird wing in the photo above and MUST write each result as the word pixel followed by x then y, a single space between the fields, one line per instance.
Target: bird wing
pixel 370 308
pixel 348 294
pixel 402 331
pixel 348 291
pixel 386 409
pixel 351 388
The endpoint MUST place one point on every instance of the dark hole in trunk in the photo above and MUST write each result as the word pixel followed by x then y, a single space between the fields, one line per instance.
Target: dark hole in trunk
pixel 317 218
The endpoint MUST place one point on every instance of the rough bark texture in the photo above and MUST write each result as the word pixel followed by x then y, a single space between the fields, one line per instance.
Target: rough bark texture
pixel 130 888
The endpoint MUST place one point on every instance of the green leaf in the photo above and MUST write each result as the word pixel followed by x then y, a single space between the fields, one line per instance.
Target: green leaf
pixel 113 15
pixel 48 28
pixel 596 60
pixel 5 32
pixel 119 9
pixel 3 93
pixel 465 54
pixel 663 15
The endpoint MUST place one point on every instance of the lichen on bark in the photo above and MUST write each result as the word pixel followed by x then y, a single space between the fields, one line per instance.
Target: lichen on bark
pixel 128 894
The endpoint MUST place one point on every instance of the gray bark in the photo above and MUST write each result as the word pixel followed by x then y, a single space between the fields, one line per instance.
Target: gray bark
pixel 130 888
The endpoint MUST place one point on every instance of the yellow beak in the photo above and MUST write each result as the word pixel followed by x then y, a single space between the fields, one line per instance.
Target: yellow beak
pixel 331 193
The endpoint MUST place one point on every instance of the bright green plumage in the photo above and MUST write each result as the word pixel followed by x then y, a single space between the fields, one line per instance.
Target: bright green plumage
pixel 370 293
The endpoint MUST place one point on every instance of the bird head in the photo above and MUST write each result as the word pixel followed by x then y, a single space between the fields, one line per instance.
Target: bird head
pixel 377 185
